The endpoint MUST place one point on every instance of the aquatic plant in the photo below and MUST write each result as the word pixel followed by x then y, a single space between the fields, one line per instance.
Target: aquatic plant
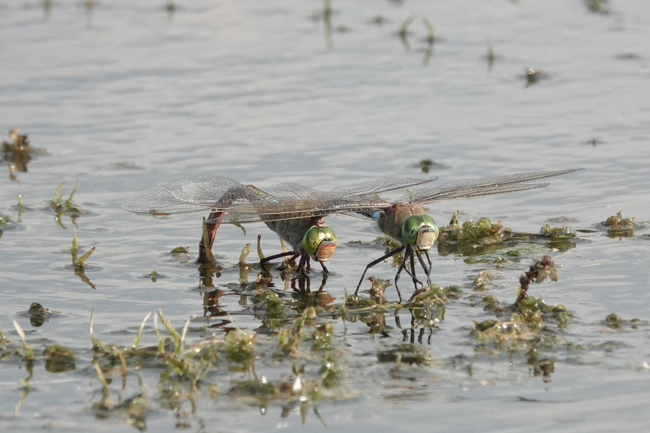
pixel 540 270
pixel 403 31
pixel 533 76
pixel 65 207
pixel 79 263
pixel 18 152
pixel 598 6
pixel 619 226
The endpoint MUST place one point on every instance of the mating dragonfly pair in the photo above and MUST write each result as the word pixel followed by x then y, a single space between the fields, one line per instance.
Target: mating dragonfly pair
pixel 296 213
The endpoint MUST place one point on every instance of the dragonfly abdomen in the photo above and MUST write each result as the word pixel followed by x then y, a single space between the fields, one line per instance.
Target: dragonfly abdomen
pixel 292 231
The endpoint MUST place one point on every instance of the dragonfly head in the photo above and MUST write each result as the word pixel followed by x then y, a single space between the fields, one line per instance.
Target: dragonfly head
pixel 319 242
pixel 420 231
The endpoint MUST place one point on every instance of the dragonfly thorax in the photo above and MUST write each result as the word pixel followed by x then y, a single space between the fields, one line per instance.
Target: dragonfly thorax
pixel 420 231
pixel 319 242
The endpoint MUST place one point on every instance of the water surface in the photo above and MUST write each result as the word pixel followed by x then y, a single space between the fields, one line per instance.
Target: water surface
pixel 124 97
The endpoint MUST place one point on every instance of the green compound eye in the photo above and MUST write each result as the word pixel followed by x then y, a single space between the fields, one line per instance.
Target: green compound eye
pixel 315 236
pixel 420 230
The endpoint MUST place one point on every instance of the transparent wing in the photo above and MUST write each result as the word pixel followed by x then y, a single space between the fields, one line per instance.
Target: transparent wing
pixel 381 185
pixel 478 187
pixel 198 194
pixel 291 200
pixel 384 184
pixel 318 203
pixel 248 204
pixel 291 191
pixel 360 216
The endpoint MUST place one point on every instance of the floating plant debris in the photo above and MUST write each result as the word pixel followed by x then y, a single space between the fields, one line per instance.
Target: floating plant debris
pixel 58 359
pixel 430 39
pixel 540 270
pixel 18 152
pixel 38 314
pixel 618 226
pixel 79 263
pixel 428 164
pixel 403 32
pixel 594 142
pixel 473 238
pixel 598 6
pixel 533 76
pixel 65 207
pixel 491 57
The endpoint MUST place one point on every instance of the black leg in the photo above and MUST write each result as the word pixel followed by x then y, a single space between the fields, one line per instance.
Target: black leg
pixel 409 254
pixel 324 267
pixel 415 280
pixel 426 270
pixel 301 264
pixel 428 259
pixel 402 267
pixel 374 262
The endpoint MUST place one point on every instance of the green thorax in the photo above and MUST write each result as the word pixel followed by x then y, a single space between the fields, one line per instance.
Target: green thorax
pixel 420 231
pixel 315 236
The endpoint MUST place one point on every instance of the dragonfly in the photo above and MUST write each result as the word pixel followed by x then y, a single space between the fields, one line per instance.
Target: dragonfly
pixel 406 221
pixel 295 212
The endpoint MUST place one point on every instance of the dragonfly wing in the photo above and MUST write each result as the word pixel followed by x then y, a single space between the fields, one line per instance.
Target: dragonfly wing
pixel 319 204
pixel 291 200
pixel 478 187
pixel 291 190
pixel 383 184
pixel 361 216
pixel 198 194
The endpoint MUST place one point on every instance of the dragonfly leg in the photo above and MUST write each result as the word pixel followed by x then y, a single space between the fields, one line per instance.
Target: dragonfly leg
pixel 402 267
pixel 324 267
pixel 429 260
pixel 426 270
pixel 301 265
pixel 277 256
pixel 407 256
pixel 415 280
pixel 374 262
pixel 430 264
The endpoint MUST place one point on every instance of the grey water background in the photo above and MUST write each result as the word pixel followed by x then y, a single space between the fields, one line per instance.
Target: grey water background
pixel 263 93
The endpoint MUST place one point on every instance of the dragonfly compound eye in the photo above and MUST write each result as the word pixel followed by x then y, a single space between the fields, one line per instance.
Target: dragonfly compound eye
pixel 319 242
pixel 421 231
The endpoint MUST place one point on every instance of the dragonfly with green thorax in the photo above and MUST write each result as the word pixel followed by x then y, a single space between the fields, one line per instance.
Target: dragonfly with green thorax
pixel 406 221
pixel 295 212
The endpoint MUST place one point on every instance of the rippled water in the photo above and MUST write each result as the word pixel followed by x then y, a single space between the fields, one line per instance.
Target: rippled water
pixel 124 97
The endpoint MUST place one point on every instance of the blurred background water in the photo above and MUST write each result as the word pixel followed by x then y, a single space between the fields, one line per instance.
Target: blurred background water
pixel 126 96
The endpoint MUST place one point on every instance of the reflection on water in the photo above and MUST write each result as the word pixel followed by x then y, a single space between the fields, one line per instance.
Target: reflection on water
pixel 47 9
pixel 90 7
